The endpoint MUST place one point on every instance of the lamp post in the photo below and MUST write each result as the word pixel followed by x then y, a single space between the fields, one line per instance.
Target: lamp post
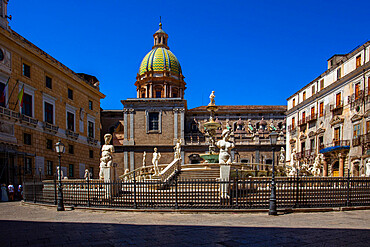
pixel 272 207
pixel 60 148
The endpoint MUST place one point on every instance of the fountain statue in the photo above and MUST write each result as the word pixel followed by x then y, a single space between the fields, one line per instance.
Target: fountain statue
pixel 106 160
pixel 225 146
pixel 155 160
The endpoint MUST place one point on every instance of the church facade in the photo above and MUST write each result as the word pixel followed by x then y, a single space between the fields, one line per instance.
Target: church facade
pixel 159 116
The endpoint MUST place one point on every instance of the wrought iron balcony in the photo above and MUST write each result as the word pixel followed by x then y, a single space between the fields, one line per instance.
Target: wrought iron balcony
pixel 357 141
pixel 291 128
pixel 311 118
pixel 335 145
pixel 337 106
pixel 356 98
pixel 302 121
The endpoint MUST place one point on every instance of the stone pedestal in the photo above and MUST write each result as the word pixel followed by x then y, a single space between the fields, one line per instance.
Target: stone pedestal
pixel 341 166
pixel 224 177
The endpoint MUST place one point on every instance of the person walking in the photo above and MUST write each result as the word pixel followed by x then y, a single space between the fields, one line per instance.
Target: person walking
pixel 11 191
pixel 4 193
pixel 20 192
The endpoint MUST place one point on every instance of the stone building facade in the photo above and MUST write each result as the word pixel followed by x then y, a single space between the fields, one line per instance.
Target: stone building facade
pixel 159 116
pixel 58 104
pixel 330 115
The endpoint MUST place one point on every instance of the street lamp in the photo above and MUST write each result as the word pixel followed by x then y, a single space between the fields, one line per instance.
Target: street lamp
pixel 60 148
pixel 272 207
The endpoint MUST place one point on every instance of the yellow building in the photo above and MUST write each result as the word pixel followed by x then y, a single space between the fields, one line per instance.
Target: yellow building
pixel 57 104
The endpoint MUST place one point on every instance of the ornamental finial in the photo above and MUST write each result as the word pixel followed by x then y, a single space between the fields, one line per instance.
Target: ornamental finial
pixel 160 22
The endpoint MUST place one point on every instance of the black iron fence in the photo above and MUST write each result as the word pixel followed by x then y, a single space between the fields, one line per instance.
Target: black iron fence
pixel 246 193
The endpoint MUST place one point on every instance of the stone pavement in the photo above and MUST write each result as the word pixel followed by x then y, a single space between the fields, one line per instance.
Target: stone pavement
pixel 32 225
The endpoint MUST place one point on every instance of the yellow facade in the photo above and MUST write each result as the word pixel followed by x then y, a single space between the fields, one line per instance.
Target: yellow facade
pixel 24 135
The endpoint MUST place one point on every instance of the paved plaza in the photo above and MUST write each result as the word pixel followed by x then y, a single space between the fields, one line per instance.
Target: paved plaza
pixel 33 225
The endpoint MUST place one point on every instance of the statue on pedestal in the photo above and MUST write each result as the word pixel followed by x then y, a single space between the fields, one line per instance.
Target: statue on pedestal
pixel 155 160
pixel 106 155
pixel 177 149
pixel 212 98
pixel 225 147
pixel 144 159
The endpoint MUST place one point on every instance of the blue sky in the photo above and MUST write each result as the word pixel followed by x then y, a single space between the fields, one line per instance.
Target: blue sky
pixel 248 52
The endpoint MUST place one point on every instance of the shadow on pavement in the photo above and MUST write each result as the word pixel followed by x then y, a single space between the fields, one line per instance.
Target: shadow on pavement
pixel 33 233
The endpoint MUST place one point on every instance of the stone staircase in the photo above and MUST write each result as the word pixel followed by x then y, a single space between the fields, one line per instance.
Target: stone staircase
pixel 199 172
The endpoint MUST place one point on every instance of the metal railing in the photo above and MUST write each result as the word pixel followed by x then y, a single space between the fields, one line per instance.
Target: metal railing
pixel 242 193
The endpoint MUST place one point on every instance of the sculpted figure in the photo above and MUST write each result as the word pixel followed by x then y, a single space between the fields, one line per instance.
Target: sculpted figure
pixel 87 174
pixel 272 126
pixel 177 149
pixel 59 173
pixel 250 126
pixel 316 167
pixel 144 159
pixel 106 155
pixel 367 171
pixel 155 160
pixel 225 147
pixel 212 98
pixel 282 156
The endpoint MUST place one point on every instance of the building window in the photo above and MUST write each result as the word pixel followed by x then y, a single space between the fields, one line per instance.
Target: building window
pixel 48 82
pixel 71 149
pixel 70 170
pixel 367 126
pixel 2 94
pixel 293 122
pixel 90 105
pixel 358 61
pixel 71 121
pixel 90 129
pixel 70 93
pixel 312 144
pixel 356 131
pixel 293 102
pixel 338 99
pixel 313 89
pixel 303 117
pixel 336 134
pixel 92 172
pixel 322 84
pixel 49 167
pixel 49 144
pixel 27 139
pixel 321 109
pixel 312 111
pixel 49 113
pixel 28 165
pixel 26 69
pixel 339 73
pixel 158 94
pixel 27 105
pixel 304 96
pixel 153 121
pixel 91 154
pixel 357 90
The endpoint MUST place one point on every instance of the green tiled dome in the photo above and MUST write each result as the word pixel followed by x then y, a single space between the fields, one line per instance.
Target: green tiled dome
pixel 160 59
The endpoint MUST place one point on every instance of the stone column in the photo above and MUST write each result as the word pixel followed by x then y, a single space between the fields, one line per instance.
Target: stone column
pixel 151 90
pixel 125 160
pixel 341 165
pixel 182 124
pixel 132 160
pixel 175 124
pixel 325 167
pixel 132 124
pixel 165 90
pixel 125 127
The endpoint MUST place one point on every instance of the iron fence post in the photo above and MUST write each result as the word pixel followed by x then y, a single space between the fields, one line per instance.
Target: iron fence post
pixel 297 190
pixel 348 191
pixel 236 189
pixel 34 190
pixel 55 190
pixel 176 195
pixel 88 190
pixel 135 204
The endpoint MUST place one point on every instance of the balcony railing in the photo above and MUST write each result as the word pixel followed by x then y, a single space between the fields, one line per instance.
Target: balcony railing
pixel 311 118
pixel 28 120
pixel 357 141
pixel 92 141
pixel 306 153
pixel 356 98
pixel 72 134
pixel 9 113
pixel 337 106
pixel 302 121
pixel 50 127
pixel 291 128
